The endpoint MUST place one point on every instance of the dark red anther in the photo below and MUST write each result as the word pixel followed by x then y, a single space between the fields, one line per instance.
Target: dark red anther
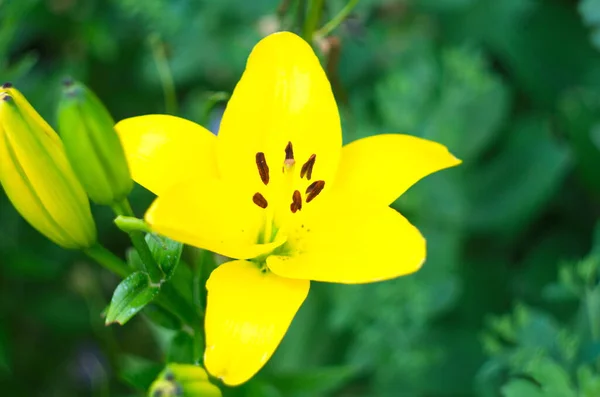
pixel 260 200
pixel 308 167
pixel 7 85
pixel 263 168
pixel 296 201
pixel 313 190
pixel 289 151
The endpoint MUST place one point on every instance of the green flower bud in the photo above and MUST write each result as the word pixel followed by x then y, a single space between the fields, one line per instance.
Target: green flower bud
pixel 93 146
pixel 183 380
pixel 37 177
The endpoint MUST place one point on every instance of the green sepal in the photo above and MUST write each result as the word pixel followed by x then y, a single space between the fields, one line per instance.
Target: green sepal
pixel 93 146
pixel 131 296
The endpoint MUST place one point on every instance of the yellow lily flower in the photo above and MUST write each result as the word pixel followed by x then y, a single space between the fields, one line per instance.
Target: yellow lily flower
pixel 37 177
pixel 277 191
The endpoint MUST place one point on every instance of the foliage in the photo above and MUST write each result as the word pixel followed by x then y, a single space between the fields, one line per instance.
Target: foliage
pixel 511 87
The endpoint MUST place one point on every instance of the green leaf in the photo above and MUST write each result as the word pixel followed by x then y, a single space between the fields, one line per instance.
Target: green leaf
pixel 138 372
pixel 134 260
pixel 552 379
pixel 467 87
pixel 521 388
pixel 131 295
pixel 166 252
pixel 589 382
pixel 590 13
pixel 580 112
pixel 162 317
pixel 316 382
pixel 4 357
pixel 181 349
pixel 516 185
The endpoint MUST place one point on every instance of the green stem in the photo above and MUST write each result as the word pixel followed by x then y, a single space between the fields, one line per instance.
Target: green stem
pixel 164 72
pixel 212 101
pixel 203 264
pixel 107 259
pixel 337 20
pixel 594 327
pixel 171 300
pixel 139 242
pixel 314 16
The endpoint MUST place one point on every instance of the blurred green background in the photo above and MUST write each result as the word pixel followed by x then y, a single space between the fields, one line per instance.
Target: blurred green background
pixel 508 302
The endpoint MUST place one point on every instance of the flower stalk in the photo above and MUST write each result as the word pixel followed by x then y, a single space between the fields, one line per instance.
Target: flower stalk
pixel 336 20
pixel 156 274
pixel 108 260
pixel 315 11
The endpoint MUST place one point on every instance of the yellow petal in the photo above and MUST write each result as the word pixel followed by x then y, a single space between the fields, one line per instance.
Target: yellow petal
pixel 283 96
pixel 212 215
pixel 378 169
pixel 351 246
pixel 164 150
pixel 248 313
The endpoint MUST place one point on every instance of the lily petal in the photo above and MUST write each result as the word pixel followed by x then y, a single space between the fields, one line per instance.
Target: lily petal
pixel 164 150
pixel 247 315
pixel 355 246
pixel 283 96
pixel 211 215
pixel 378 169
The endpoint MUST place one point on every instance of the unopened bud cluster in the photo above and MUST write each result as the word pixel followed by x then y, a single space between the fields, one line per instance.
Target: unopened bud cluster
pixel 49 179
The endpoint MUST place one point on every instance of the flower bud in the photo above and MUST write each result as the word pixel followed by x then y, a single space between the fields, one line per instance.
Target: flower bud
pixel 93 146
pixel 37 177
pixel 183 380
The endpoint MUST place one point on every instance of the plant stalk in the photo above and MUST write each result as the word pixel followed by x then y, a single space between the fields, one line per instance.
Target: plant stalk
pixel 139 242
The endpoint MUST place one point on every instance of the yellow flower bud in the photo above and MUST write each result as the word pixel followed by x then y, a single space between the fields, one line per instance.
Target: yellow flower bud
pixel 92 145
pixel 37 177
pixel 183 380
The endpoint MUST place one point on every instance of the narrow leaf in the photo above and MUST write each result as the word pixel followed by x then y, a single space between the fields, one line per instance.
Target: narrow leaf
pixel 130 297
pixel 166 252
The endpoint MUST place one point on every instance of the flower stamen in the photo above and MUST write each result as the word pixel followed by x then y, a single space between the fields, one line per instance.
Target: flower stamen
pixel 260 200
pixel 289 157
pixel 263 168
pixel 313 190
pixel 289 151
pixel 296 202
pixel 307 168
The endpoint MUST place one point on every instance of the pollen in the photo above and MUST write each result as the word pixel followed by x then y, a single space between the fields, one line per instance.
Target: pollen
pixel 289 157
pixel 313 190
pixel 307 168
pixel 260 200
pixel 263 168
pixel 296 202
